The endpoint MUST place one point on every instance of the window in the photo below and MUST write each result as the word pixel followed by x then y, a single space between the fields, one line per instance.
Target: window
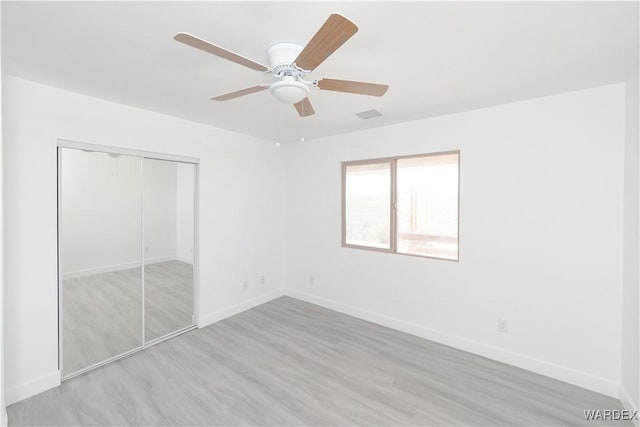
pixel 406 205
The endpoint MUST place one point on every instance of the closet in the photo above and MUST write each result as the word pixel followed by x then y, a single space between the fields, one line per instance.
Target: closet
pixel 126 227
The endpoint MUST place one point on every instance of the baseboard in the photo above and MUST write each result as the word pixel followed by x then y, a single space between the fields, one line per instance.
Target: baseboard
pixel 628 404
pixel 114 267
pixel 562 373
pixel 208 319
pixel 30 388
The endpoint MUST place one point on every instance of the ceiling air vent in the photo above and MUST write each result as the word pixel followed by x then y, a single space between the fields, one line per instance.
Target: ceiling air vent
pixel 369 114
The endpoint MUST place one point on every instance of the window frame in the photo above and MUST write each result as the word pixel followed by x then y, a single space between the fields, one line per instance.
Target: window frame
pixel 393 211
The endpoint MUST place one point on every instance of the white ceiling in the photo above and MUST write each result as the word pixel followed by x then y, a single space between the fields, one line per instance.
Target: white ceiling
pixel 437 57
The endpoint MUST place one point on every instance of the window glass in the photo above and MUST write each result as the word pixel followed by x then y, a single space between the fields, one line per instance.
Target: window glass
pixel 427 206
pixel 368 205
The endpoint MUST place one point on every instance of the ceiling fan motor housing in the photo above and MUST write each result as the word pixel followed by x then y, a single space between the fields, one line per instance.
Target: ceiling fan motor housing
pixel 283 54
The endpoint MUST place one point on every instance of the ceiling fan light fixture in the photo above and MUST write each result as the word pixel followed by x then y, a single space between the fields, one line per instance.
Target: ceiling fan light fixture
pixel 289 90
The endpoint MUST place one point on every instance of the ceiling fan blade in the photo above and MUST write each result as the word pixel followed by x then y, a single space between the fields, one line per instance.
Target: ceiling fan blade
pixel 334 32
pixel 361 88
pixel 238 93
pixel 198 43
pixel 304 108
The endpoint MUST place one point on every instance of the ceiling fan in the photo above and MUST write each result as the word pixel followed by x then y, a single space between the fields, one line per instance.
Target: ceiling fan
pixel 290 63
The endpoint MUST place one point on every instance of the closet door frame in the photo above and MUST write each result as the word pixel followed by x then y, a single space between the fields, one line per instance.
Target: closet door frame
pixel 62 143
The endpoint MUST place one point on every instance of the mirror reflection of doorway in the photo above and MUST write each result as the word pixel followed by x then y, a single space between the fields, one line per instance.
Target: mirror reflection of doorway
pixel 126 231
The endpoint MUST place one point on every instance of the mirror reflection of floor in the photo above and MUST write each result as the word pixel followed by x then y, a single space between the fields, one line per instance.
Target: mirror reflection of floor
pixel 169 297
pixel 102 313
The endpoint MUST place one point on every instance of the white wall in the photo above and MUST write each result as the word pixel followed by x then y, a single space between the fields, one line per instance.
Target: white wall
pixel 184 213
pixel 630 369
pixel 239 175
pixel 540 235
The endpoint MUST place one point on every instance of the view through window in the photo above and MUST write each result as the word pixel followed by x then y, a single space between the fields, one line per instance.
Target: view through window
pixel 368 201
pixel 423 191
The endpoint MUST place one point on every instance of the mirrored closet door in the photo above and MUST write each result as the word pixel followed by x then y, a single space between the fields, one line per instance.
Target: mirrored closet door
pixel 126 258
pixel 168 245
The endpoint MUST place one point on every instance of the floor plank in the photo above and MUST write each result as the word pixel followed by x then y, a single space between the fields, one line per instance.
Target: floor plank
pixel 290 363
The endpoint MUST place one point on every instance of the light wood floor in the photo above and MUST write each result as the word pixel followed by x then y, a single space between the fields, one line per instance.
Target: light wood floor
pixel 102 313
pixel 292 363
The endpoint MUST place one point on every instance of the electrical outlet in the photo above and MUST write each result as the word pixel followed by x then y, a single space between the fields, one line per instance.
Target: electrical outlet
pixel 312 281
pixel 262 280
pixel 245 285
pixel 503 325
